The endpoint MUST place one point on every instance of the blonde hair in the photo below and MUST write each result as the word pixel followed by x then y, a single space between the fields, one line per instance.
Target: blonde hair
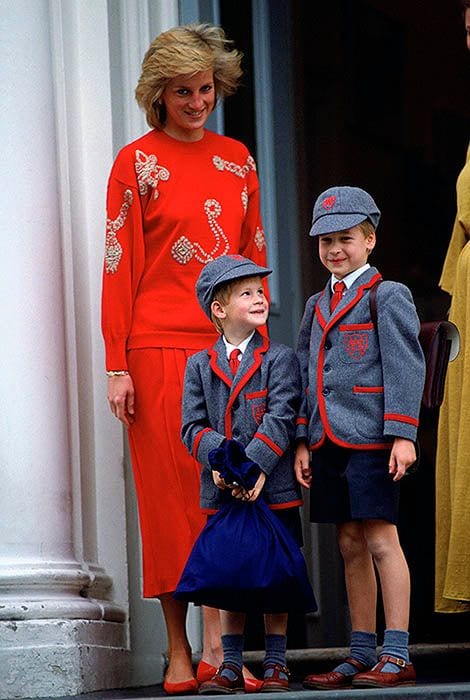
pixel 186 50
pixel 222 294
pixel 366 228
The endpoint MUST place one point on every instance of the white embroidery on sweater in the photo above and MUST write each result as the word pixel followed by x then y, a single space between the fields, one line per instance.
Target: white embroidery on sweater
pixel 260 239
pixel 149 173
pixel 245 198
pixel 238 170
pixel 183 250
pixel 113 247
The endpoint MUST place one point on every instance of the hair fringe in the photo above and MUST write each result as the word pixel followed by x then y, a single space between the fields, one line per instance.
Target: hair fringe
pixel 186 50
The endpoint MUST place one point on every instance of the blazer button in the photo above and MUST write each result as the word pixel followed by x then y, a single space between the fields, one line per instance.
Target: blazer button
pixel 325 392
pixel 327 368
pixel 236 403
pixel 327 345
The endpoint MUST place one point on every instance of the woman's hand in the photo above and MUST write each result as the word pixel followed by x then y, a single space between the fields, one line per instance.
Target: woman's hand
pixel 302 468
pixel 121 398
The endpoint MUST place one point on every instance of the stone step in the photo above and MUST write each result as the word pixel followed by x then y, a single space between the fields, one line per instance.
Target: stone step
pixel 443 674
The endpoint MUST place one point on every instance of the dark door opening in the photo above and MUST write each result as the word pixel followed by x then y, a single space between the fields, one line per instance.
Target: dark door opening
pixel 383 104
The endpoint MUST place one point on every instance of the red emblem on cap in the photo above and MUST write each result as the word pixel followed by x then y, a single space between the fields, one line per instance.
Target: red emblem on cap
pixel 328 203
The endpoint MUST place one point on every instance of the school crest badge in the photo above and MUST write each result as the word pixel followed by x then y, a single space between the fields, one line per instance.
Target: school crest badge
pixel 258 410
pixel 356 344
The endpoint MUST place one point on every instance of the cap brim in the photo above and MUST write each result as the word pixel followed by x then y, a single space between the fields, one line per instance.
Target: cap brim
pixel 331 223
pixel 238 274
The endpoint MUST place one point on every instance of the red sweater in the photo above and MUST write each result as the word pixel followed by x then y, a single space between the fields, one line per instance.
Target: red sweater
pixel 172 206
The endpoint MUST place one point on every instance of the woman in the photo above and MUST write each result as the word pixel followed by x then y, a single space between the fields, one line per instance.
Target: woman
pixel 452 592
pixel 178 197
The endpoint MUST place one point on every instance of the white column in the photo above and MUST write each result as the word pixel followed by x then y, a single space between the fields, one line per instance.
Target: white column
pixel 60 631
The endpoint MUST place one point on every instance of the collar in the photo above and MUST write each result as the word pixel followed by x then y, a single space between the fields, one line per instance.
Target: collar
pixel 242 347
pixel 351 278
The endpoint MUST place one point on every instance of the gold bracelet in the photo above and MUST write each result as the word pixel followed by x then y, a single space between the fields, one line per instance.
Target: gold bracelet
pixel 117 373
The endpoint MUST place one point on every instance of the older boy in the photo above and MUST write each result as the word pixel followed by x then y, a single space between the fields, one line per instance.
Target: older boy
pixel 248 389
pixel 362 395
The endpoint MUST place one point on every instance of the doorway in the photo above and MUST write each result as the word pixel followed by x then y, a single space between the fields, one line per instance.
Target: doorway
pixel 372 93
pixel 382 103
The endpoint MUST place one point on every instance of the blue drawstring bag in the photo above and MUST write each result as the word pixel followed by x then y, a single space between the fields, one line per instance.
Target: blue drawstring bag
pixel 245 559
pixel 234 466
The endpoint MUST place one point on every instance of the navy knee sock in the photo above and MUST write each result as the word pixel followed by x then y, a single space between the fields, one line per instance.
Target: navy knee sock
pixel 275 653
pixel 363 649
pixel 232 644
pixel 395 644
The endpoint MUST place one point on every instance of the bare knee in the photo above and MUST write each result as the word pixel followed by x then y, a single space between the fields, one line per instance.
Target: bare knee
pixel 351 540
pixel 382 539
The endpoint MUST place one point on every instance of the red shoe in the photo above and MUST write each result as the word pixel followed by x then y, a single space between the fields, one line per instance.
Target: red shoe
pixel 206 671
pixel 275 684
pixel 376 678
pixel 183 688
pixel 221 685
pixel 333 680
pixel 253 685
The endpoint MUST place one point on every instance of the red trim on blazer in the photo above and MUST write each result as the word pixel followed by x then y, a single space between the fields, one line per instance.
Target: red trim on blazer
pixel 271 506
pixel 401 419
pixel 198 439
pixel 257 359
pixel 357 327
pixel 368 390
pixel 216 369
pixel 351 446
pixel 256 394
pixel 321 359
pixel 283 506
pixel 339 314
pixel 317 445
pixel 275 448
pixel 318 314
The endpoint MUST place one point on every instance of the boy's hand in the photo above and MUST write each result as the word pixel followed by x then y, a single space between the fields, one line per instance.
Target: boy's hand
pixel 251 495
pixel 402 456
pixel 302 468
pixel 218 481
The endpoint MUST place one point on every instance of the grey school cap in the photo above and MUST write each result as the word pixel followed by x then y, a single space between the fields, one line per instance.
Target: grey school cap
pixel 339 208
pixel 226 268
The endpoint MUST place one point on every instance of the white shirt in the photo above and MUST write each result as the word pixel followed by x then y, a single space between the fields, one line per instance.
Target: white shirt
pixel 349 279
pixel 242 347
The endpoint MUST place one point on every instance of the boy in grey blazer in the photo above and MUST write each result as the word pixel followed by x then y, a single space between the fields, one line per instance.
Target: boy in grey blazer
pixel 362 389
pixel 256 404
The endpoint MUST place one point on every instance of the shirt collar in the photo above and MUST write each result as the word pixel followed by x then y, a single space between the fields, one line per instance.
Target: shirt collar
pixel 242 347
pixel 351 278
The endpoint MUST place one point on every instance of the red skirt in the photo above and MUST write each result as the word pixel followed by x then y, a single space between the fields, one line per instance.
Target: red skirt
pixel 166 476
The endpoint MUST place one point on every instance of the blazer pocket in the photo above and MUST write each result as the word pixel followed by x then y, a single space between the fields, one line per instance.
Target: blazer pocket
pixel 256 404
pixel 357 343
pixel 369 411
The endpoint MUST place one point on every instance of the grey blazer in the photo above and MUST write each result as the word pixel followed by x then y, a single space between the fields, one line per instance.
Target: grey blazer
pixel 258 407
pixel 361 388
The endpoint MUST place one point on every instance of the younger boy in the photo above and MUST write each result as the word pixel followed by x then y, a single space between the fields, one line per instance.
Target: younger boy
pixel 362 390
pixel 256 404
